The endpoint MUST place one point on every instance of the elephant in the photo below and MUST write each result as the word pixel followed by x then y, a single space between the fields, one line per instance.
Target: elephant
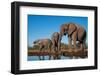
pixel 56 44
pixel 43 44
pixel 75 33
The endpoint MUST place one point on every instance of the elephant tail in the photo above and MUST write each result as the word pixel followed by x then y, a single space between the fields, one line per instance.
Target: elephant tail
pixel 85 35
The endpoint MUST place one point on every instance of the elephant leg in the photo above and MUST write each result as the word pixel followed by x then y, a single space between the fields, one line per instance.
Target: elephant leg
pixel 44 49
pixel 54 47
pixel 43 57
pixel 84 45
pixel 59 48
pixel 54 53
pixel 59 45
pixel 57 52
pixel 69 42
pixel 49 57
pixel 49 52
pixel 74 38
pixel 59 56
pixel 40 49
pixel 74 43
pixel 39 57
pixel 54 56
pixel 81 48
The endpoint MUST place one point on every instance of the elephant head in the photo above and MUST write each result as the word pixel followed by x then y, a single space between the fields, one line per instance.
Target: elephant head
pixel 37 42
pixel 67 28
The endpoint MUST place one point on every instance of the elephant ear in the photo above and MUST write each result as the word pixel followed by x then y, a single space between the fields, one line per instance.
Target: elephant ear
pixel 71 29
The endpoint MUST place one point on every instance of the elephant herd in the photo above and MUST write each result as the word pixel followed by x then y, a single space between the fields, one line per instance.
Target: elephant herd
pixel 74 32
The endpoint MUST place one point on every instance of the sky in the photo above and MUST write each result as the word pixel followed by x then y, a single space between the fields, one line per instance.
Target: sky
pixel 43 26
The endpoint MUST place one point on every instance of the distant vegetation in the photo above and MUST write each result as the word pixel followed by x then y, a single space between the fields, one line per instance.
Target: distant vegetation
pixel 35 47
pixel 63 46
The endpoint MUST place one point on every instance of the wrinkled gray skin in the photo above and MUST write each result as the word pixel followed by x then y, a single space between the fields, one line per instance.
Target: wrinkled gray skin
pixel 75 33
pixel 56 43
pixel 43 44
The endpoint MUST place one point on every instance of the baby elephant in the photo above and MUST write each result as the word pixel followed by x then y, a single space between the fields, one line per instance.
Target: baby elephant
pixel 56 41
pixel 44 44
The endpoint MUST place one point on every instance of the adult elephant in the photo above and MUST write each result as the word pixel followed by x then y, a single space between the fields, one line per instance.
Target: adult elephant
pixel 75 33
pixel 56 42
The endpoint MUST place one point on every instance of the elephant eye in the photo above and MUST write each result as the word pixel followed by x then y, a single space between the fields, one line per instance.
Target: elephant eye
pixel 34 42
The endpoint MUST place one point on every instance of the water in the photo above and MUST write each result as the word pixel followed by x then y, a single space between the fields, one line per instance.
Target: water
pixel 36 58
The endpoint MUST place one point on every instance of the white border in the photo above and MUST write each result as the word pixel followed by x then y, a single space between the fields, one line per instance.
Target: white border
pixel 26 65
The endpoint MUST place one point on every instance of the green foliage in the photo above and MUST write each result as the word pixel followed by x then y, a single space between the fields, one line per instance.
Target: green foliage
pixel 30 48
pixel 35 47
pixel 64 46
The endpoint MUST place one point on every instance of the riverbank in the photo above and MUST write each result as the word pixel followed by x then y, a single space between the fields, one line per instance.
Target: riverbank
pixel 71 52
